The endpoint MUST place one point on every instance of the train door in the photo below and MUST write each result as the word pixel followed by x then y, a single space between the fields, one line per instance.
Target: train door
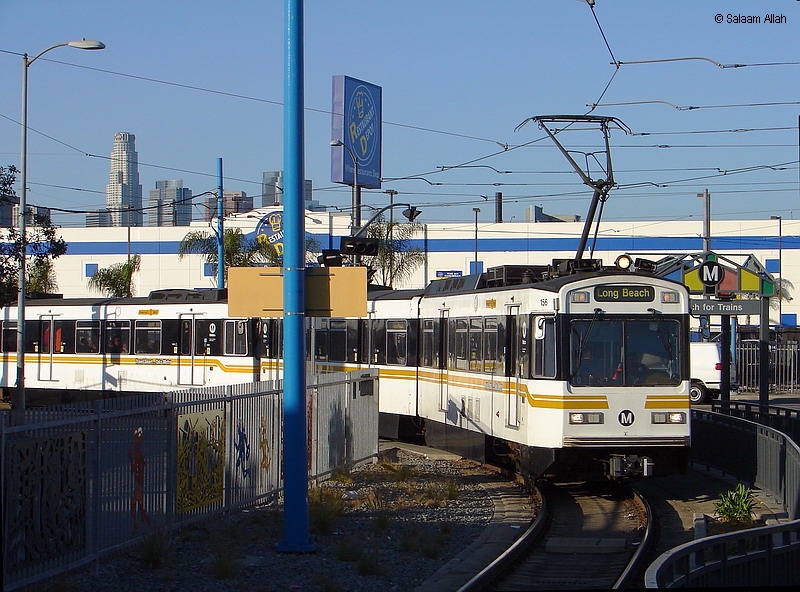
pixel 190 366
pixel 444 391
pixel 513 344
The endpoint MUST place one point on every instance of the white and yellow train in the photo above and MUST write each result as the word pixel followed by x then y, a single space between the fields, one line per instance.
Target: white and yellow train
pixel 538 366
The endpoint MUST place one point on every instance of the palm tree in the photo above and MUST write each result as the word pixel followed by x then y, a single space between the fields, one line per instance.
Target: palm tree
pixel 239 250
pixel 782 287
pixel 117 280
pixel 42 277
pixel 395 261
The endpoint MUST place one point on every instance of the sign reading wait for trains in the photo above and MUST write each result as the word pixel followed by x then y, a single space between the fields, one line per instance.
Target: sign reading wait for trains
pixel 724 307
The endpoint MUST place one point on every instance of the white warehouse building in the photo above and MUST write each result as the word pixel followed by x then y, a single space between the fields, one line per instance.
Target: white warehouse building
pixel 451 249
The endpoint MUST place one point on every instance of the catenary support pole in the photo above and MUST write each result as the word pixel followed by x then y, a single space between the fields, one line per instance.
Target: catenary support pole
pixel 220 228
pixel 296 537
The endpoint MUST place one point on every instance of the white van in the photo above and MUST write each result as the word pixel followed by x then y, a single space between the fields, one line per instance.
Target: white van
pixel 706 371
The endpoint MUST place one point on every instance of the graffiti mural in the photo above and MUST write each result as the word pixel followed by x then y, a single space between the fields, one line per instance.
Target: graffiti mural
pixel 201 459
pixel 137 461
pixel 45 500
pixel 241 447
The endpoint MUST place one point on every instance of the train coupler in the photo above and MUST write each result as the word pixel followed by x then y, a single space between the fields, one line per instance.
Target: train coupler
pixel 621 466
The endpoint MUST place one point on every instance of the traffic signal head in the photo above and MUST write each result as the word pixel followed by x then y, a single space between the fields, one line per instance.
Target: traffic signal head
pixel 411 213
pixel 351 245
pixel 330 258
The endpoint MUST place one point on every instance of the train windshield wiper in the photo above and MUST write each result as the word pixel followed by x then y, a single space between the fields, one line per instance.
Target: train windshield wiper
pixel 583 339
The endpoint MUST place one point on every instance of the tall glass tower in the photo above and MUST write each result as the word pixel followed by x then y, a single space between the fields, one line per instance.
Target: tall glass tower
pixel 124 192
pixel 170 204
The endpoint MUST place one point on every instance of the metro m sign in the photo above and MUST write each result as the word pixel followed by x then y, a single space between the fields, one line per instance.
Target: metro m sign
pixel 711 273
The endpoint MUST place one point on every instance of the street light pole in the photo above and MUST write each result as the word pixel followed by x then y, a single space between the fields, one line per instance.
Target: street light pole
pixel 220 229
pixel 355 211
pixel 19 403
pixel 780 267
pixel 477 211
pixel 390 234
pixel 706 220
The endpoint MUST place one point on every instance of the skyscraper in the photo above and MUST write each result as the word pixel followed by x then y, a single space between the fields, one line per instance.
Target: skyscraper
pixel 272 191
pixel 124 192
pixel 170 204
pixel 233 202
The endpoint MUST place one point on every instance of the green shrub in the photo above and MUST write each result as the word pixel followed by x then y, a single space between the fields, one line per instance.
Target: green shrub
pixel 154 552
pixel 325 508
pixel 736 505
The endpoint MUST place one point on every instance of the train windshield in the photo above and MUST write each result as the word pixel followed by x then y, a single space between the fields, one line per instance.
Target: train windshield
pixel 625 352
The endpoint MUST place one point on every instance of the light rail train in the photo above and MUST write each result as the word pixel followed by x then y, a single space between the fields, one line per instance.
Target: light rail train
pixel 571 365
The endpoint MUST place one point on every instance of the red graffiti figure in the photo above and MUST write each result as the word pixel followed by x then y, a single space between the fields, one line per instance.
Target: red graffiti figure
pixel 137 470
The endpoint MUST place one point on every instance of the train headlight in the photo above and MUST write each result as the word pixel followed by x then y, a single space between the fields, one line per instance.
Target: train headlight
pixel 623 262
pixel 672 417
pixel 669 297
pixel 579 297
pixel 585 418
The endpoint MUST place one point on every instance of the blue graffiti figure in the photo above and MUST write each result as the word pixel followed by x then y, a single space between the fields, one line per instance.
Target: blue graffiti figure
pixel 242 448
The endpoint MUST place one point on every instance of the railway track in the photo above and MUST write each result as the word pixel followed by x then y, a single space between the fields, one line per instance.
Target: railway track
pixel 590 538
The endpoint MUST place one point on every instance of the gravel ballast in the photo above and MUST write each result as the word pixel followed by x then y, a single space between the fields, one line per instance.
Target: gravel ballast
pixel 384 526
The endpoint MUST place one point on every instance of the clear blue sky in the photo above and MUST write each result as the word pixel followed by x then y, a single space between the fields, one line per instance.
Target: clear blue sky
pixel 200 80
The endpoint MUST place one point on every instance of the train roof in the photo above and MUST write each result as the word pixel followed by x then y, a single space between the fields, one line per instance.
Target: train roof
pixel 551 277
pixel 156 296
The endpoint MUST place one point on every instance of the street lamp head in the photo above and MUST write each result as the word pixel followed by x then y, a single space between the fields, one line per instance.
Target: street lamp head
pixel 411 213
pixel 775 218
pixel 337 143
pixel 87 44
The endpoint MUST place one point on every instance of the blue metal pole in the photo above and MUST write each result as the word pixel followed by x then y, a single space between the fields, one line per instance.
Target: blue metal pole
pixel 220 229
pixel 296 538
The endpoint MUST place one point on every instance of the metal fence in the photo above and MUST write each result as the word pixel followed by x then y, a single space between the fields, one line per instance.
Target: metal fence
pixel 80 482
pixel 756 455
pixel 784 366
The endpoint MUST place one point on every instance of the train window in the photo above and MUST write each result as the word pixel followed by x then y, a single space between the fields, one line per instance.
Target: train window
pixel 235 338
pixel 378 340
pixel 460 345
pixel 185 344
pixel 524 346
pixel 170 335
pixel 51 338
pixel 321 340
pixel 490 359
pixel 277 339
pixel 45 336
pixel 118 337
pixel 430 343
pixel 475 344
pixel 544 348
pixel 651 353
pixel 9 336
pixel 87 337
pixel 354 350
pixel 147 337
pixel 271 337
pixel 337 341
pixel 396 342
pixel 624 352
pixel 65 336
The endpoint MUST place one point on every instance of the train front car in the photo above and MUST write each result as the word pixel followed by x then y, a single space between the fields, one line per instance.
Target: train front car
pixel 544 368
pixel 623 345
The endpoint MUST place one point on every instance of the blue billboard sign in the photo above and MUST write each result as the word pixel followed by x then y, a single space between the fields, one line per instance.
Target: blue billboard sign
pixel 356 122
pixel 270 229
